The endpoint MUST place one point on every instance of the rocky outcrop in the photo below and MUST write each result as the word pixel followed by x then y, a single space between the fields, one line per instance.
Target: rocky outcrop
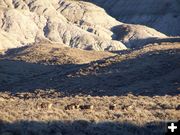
pixel 77 24
pixel 26 22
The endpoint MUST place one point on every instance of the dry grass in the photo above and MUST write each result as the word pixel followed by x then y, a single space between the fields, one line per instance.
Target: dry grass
pixel 131 112
pixel 44 111
pixel 55 54
pixel 131 54
pixel 138 109
pixel 134 112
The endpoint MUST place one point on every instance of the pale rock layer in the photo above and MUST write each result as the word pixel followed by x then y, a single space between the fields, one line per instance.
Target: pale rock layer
pixel 76 24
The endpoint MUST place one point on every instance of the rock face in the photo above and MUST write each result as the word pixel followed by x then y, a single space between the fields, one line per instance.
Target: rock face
pixel 26 22
pixel 163 15
pixel 77 24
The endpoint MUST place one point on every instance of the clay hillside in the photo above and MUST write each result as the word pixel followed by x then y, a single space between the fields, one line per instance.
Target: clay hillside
pixel 89 67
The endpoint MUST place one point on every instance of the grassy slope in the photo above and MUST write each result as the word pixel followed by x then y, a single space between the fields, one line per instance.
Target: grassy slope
pixel 137 113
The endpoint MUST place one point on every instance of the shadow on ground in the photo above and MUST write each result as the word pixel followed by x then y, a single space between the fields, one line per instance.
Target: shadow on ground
pixel 20 76
pixel 149 74
pixel 152 73
pixel 79 127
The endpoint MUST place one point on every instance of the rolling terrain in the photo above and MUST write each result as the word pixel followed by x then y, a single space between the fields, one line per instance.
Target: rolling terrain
pixel 142 85
pixel 89 67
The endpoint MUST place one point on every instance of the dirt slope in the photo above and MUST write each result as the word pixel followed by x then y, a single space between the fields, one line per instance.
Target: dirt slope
pixel 54 54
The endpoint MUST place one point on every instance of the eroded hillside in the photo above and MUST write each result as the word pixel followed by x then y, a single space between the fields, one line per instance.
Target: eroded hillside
pixel 77 24
pixel 69 68
pixel 162 15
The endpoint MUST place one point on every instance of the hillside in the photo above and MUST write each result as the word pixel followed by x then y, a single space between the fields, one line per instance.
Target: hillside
pixel 33 20
pixel 89 67
pixel 54 54
pixel 152 70
pixel 71 23
pixel 142 83
pixel 162 15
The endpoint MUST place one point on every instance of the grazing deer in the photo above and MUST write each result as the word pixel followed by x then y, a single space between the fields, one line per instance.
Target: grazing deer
pixel 72 106
pixel 112 107
pixel 45 105
pixel 83 107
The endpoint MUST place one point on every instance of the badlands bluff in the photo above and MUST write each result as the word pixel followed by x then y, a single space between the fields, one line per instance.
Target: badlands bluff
pixel 89 67
pixel 86 26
